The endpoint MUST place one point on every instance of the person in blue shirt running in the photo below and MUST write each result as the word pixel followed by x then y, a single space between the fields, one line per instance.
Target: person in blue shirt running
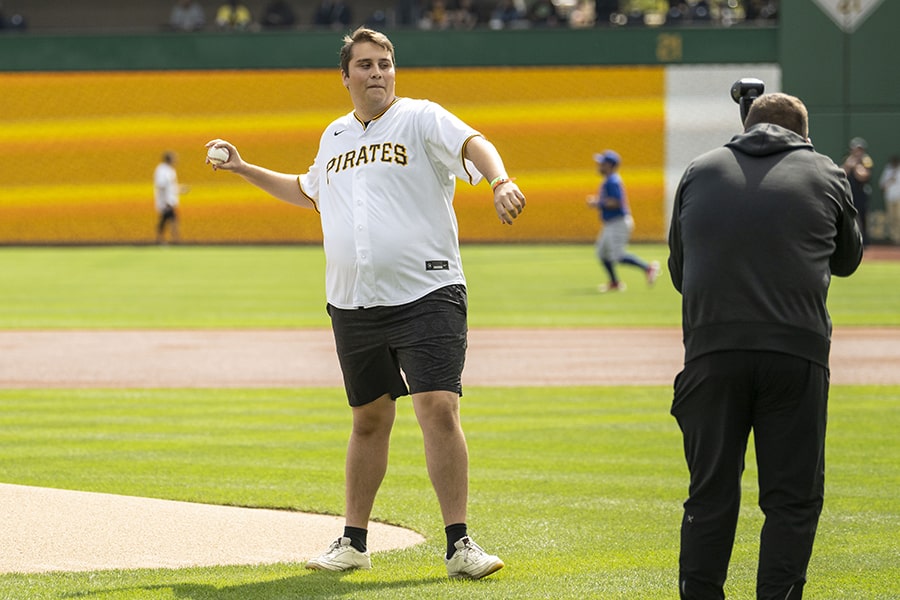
pixel 612 241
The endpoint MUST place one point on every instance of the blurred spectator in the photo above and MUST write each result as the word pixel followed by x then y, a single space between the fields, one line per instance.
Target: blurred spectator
pixel 890 187
pixel 583 14
pixel 187 15
pixel 543 13
pixel 16 22
pixel 858 167
pixel 728 13
pixel 377 20
pixel 682 12
pixel 700 12
pixel 436 17
pixel 408 12
pixel 278 13
pixel 760 10
pixel 508 14
pixel 465 16
pixel 332 13
pixel 678 12
pixel 233 15
pixel 604 10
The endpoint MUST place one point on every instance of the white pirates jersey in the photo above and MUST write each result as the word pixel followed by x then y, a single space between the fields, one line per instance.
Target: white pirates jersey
pixel 385 195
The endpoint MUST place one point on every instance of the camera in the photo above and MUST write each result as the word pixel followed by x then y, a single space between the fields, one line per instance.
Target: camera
pixel 745 91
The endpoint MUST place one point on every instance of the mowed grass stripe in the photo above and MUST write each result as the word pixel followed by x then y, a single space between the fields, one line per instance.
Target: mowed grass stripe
pixel 579 489
pixel 510 285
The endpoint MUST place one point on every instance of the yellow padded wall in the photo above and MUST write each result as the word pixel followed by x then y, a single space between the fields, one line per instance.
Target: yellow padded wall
pixel 77 150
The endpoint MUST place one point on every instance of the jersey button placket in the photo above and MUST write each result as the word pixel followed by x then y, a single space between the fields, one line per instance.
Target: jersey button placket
pixel 362 239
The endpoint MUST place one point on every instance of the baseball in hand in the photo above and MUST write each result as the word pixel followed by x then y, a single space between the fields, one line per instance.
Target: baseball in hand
pixel 217 155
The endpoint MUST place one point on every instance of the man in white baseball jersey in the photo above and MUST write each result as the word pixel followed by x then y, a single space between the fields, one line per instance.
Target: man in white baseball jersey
pixel 383 182
pixel 166 192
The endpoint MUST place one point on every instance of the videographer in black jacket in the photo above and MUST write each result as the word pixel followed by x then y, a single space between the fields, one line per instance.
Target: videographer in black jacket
pixel 759 226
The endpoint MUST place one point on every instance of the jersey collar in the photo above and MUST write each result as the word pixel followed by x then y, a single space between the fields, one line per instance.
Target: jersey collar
pixel 376 117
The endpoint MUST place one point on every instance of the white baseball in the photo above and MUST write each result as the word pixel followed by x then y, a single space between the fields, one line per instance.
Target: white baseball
pixel 217 155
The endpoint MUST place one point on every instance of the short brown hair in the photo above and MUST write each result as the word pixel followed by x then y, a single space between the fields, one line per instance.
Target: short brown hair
pixel 363 34
pixel 779 109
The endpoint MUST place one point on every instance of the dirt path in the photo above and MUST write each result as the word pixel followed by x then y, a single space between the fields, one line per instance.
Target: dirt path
pixel 297 358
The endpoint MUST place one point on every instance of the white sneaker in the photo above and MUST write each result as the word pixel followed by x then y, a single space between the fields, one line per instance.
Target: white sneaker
pixel 341 556
pixel 611 287
pixel 471 562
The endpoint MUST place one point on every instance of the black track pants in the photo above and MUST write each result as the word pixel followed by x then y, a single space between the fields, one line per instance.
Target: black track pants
pixel 718 399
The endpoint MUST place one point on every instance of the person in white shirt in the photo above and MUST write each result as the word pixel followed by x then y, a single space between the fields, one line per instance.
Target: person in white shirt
pixel 166 194
pixel 383 182
pixel 890 188
pixel 187 15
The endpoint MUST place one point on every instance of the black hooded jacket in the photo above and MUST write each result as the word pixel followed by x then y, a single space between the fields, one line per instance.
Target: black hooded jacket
pixel 758 228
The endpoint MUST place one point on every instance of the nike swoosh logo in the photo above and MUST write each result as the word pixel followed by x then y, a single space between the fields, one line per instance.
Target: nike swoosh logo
pixel 339 132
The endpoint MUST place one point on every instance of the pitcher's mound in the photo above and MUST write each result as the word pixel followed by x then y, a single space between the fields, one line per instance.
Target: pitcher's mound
pixel 59 530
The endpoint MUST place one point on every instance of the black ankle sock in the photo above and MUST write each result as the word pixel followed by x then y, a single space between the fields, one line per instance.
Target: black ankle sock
pixel 357 537
pixel 455 532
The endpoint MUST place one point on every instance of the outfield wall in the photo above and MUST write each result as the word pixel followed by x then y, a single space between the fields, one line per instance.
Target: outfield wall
pixel 83 118
pixel 79 168
pixel 79 139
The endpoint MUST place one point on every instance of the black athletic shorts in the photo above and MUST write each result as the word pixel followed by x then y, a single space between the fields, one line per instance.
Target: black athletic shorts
pixel 168 214
pixel 426 339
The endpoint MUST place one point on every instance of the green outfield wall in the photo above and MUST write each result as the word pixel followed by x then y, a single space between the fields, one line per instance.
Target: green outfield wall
pixel 839 58
pixel 319 50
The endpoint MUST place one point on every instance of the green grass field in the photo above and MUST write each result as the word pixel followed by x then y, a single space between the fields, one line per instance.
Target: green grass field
pixel 578 489
pixel 210 287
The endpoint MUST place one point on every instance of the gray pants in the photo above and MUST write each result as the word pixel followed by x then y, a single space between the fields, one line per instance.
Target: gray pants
pixel 613 239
